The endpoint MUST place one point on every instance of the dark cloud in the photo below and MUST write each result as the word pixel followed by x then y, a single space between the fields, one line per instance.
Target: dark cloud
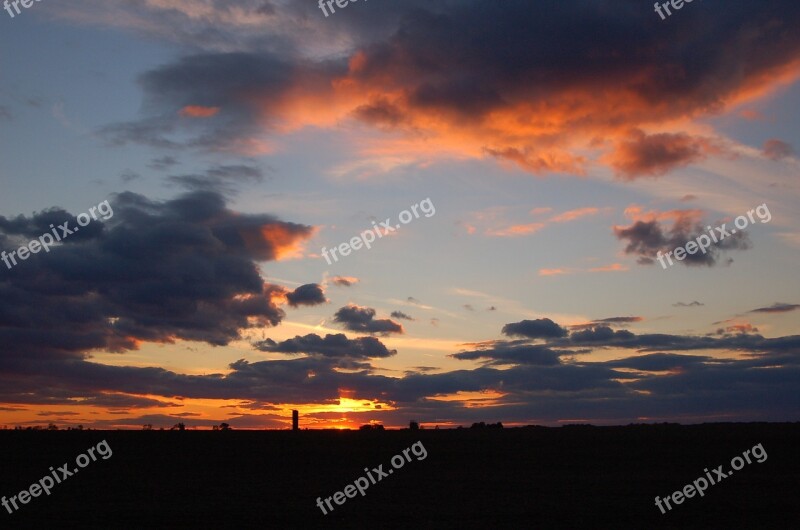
pixel 222 179
pixel 400 315
pixel 534 329
pixel 776 149
pixel 128 176
pixel 503 353
pixel 654 155
pixel 612 321
pixel 436 78
pixel 540 382
pixel 183 269
pixel 740 328
pixel 310 294
pixel 600 335
pixel 266 8
pixel 213 81
pixel 658 361
pixel 468 307
pixel 777 308
pixel 646 237
pixel 336 346
pixel 162 163
pixel 690 304
pixel 380 113
pixel 362 319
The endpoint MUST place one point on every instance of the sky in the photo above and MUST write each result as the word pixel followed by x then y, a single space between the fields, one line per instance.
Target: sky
pixel 522 170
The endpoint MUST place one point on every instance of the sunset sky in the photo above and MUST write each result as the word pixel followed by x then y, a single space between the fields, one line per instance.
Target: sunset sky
pixel 562 144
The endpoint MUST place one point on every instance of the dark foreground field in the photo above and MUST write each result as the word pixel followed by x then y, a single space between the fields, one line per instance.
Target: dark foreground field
pixel 572 478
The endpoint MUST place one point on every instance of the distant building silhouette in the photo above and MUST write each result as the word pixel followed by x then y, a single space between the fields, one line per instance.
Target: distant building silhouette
pixel 295 420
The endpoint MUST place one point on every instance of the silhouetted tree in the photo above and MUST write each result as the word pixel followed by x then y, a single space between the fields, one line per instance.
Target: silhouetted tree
pixel 224 427
pixel 178 427
pixel 414 426
pixel 147 427
pixel 371 427
pixel 483 425
pixel 52 427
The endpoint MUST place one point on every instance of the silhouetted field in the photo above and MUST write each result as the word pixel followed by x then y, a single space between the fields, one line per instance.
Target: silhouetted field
pixel 570 477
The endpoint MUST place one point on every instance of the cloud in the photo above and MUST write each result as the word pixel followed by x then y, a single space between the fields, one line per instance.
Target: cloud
pixel 503 353
pixel 221 179
pixel 643 155
pixel 777 308
pixel 537 381
pixel 182 269
pixel 612 321
pixel 400 315
pixel 534 329
pixel 362 319
pixel 198 111
pixel 527 93
pixel 690 304
pixel 201 83
pixel 333 346
pixel 572 215
pixel 776 149
pixel 344 281
pixel 128 176
pixel 741 328
pixel 659 361
pixel 516 230
pixel 496 228
pixel 554 272
pixel 310 294
pixel 649 234
pixel 162 163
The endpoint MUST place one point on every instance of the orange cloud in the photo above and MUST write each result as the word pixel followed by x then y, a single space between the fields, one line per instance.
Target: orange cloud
pixel 516 230
pixel 554 272
pixel 198 111
pixel 654 155
pixel 614 267
pixel 276 241
pixel 752 115
pixel 572 215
